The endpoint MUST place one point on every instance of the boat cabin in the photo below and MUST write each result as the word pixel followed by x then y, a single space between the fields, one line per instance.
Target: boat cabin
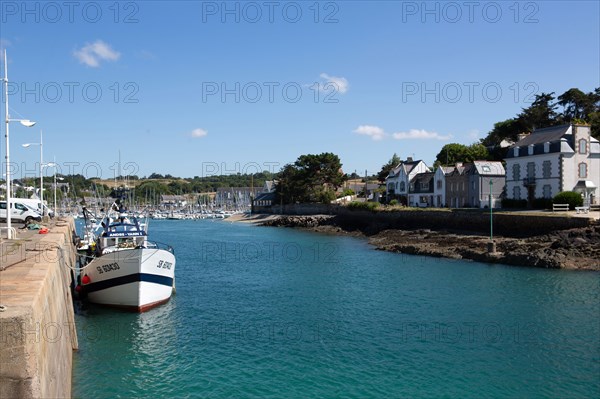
pixel 121 233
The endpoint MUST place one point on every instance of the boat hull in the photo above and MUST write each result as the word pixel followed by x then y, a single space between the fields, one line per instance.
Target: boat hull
pixel 133 279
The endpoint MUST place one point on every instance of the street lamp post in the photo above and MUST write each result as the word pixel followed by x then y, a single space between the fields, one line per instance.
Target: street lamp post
pixel 50 165
pixel 41 167
pixel 56 189
pixel 24 122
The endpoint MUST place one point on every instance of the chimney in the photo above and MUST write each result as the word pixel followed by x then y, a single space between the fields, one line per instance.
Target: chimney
pixel 459 164
pixel 409 159
pixel 521 136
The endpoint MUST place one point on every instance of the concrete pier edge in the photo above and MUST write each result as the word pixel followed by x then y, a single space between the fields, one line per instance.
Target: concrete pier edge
pixel 37 325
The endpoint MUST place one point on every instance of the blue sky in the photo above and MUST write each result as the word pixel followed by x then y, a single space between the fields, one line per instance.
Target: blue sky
pixel 192 88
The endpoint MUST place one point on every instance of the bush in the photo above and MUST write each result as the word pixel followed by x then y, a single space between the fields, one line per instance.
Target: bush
pixel 326 196
pixel 513 203
pixel 542 203
pixel 568 197
pixel 394 202
pixel 363 206
pixel 347 192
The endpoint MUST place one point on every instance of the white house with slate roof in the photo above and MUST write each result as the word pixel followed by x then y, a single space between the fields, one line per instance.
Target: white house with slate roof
pixel 554 159
pixel 439 189
pixel 398 181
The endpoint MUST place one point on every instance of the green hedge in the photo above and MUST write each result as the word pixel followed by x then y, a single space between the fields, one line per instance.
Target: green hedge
pixel 568 197
pixel 363 206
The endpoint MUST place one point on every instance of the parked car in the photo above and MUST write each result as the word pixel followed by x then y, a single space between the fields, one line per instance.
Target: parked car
pixel 19 212
pixel 36 205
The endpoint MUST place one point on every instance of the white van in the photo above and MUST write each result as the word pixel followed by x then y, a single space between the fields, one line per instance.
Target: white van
pixel 19 212
pixel 36 205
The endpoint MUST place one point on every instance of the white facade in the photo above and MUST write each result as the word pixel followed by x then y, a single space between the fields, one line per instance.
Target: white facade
pixel 552 160
pixel 398 181
pixel 439 188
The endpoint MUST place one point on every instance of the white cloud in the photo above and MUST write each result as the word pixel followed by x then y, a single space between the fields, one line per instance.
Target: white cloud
pixel 340 84
pixel 92 54
pixel 197 133
pixel 375 132
pixel 420 134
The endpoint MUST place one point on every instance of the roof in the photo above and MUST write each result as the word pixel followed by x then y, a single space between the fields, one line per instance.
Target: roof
pixel 585 184
pixel 422 177
pixel 548 134
pixel 462 169
pixel 407 166
pixel 270 185
pixel 270 196
pixel 447 169
pixel 489 168
pixel 166 197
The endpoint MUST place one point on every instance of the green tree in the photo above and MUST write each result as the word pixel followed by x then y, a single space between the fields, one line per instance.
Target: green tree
pixel 577 107
pixel 541 113
pixel 309 178
pixel 452 153
pixel 386 169
pixel 577 104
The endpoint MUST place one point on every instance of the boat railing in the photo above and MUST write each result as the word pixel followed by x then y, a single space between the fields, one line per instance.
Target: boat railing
pixel 159 245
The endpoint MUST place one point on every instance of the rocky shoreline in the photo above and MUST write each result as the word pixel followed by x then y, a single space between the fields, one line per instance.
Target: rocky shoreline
pixel 564 249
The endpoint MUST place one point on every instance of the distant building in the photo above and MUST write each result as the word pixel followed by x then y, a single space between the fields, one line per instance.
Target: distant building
pixel 468 185
pixel 173 201
pixel 554 159
pixel 235 197
pixel 266 197
pixel 359 188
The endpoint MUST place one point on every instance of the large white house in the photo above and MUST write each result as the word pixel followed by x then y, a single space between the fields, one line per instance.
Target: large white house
pixel 554 159
pixel 398 181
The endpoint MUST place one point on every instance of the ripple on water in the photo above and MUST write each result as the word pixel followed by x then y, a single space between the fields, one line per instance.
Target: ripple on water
pixel 358 323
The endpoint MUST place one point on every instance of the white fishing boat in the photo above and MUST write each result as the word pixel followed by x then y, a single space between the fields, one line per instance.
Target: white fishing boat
pixel 126 269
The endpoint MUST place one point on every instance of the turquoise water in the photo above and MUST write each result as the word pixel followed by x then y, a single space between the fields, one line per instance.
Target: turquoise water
pixel 267 312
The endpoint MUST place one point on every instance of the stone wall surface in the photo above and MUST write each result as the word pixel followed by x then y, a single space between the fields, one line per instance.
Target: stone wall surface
pixel 509 224
pixel 37 330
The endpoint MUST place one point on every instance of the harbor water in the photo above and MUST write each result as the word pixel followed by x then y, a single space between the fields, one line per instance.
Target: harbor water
pixel 275 312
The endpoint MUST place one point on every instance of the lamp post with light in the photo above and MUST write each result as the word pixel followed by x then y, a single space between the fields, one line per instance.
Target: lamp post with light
pixel 27 145
pixel 24 122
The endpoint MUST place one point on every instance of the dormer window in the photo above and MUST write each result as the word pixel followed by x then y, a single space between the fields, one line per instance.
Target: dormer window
pixel 583 146
pixel 546 147
pixel 530 149
pixel 516 152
